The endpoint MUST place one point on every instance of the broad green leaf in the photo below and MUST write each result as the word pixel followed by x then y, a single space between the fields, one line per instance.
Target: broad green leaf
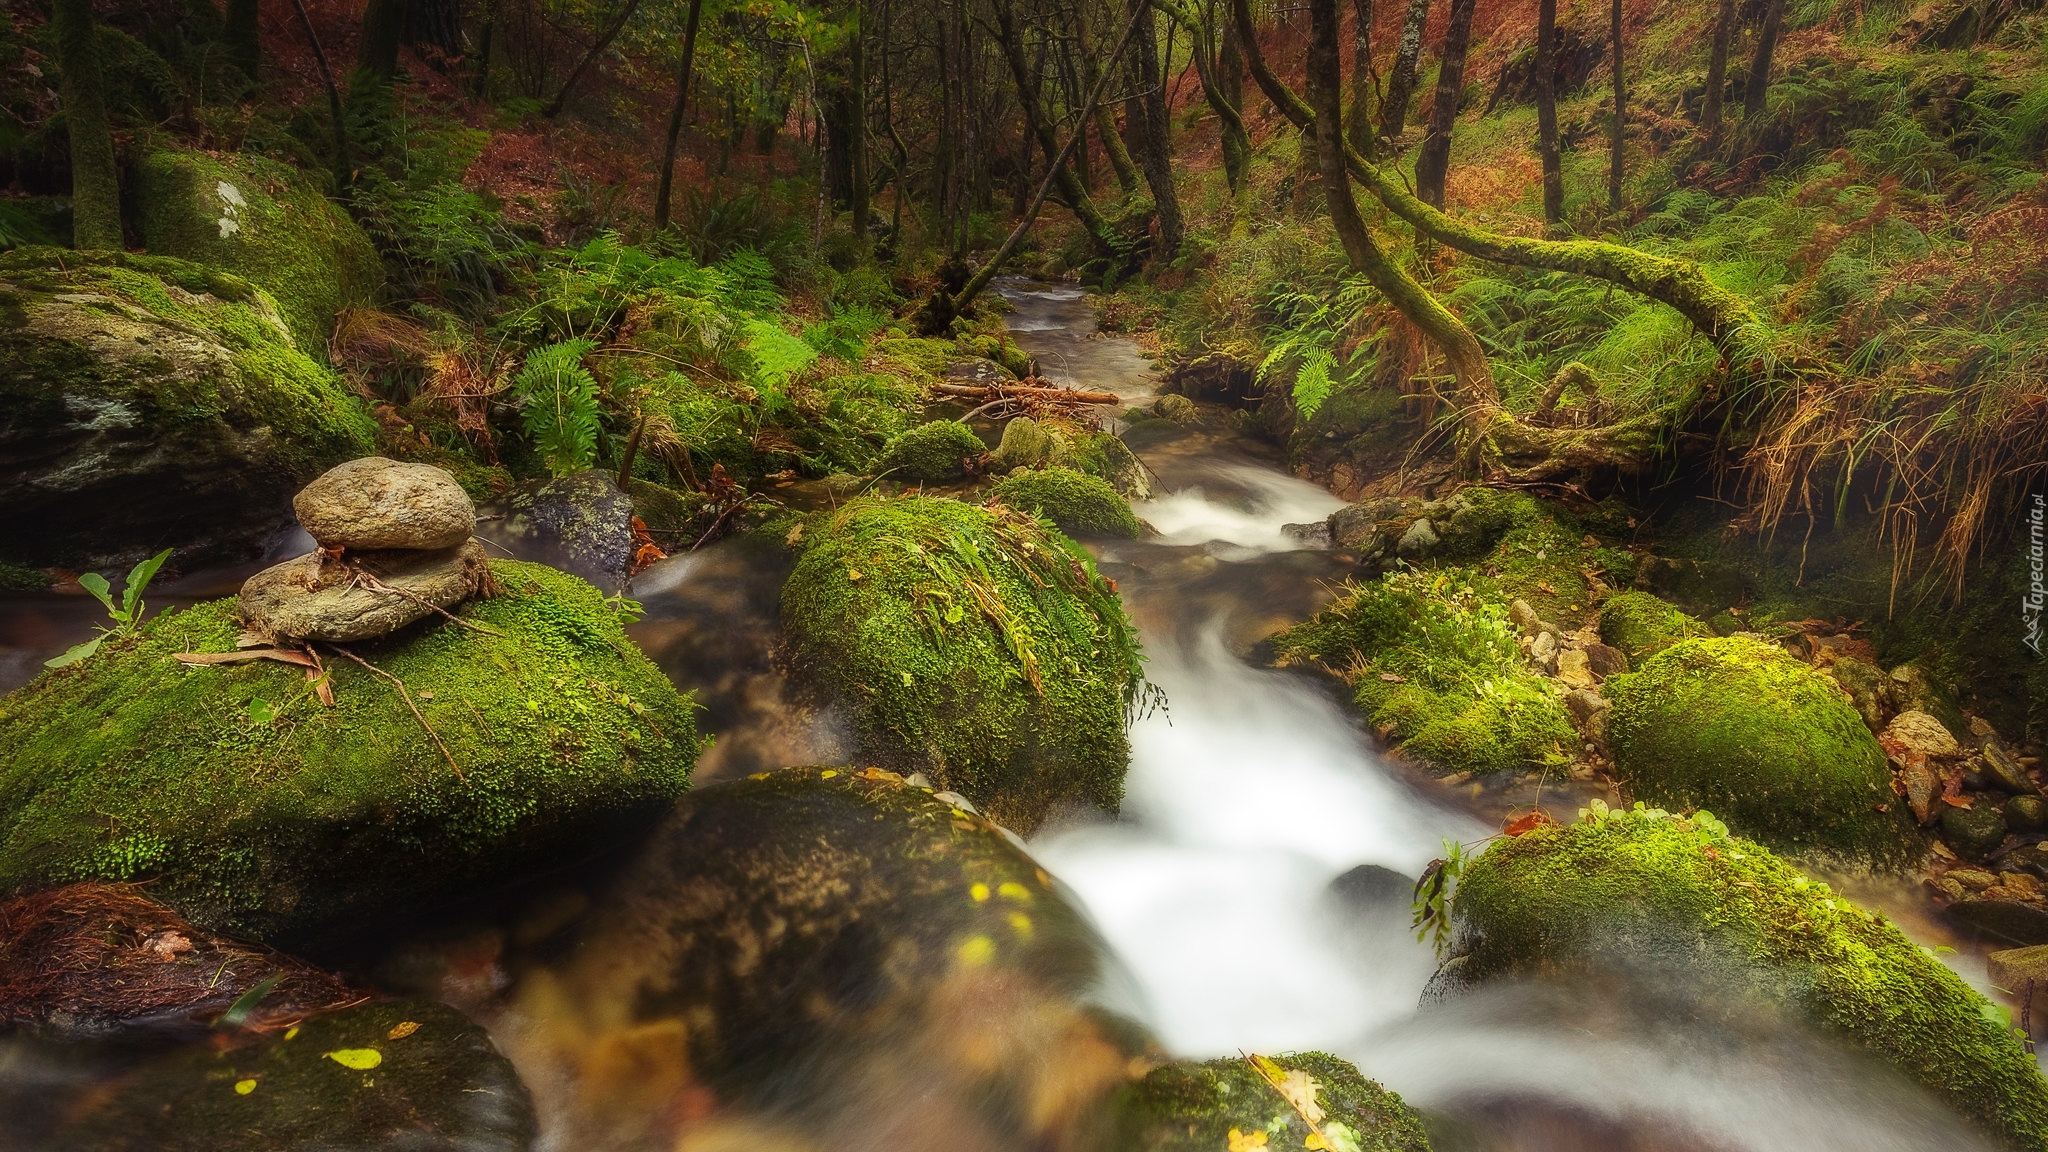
pixel 245 1004
pixel 138 579
pixel 97 584
pixel 76 653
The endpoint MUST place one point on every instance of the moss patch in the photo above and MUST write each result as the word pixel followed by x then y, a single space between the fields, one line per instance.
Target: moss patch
pixel 931 453
pixel 263 221
pixel 1190 1107
pixel 299 828
pixel 1434 662
pixel 1738 726
pixel 1078 504
pixel 1641 625
pixel 972 643
pixel 1618 890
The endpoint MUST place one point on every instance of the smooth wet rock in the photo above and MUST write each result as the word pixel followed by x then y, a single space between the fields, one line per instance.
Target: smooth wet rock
pixel 1924 787
pixel 1352 527
pixel 2001 768
pixel 2026 813
pixel 1370 888
pixel 582 524
pixel 1604 661
pixel 1025 444
pixel 316 597
pixel 1588 711
pixel 1188 1106
pixel 374 503
pixel 2012 920
pixel 1522 615
pixel 1417 542
pixel 1974 832
pixel 2014 968
pixel 1867 686
pixel 1176 408
pixel 1315 535
pixel 396 1076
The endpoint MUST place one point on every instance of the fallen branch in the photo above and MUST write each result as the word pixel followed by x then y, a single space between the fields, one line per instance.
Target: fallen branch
pixel 282 655
pixel 1026 391
pixel 416 713
pixel 368 579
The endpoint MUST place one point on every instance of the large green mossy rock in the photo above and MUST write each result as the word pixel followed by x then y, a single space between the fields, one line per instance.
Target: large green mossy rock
pixel 1206 1107
pixel 805 941
pixel 931 453
pixel 1636 891
pixel 248 806
pixel 1640 625
pixel 971 643
pixel 265 222
pixel 396 1076
pixel 1737 726
pixel 1075 502
pixel 146 401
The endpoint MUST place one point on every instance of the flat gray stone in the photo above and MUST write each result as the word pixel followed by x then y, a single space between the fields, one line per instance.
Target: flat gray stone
pixel 1418 541
pixel 373 504
pixel 314 597
pixel 2005 919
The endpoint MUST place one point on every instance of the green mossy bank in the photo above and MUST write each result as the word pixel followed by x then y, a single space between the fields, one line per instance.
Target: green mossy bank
pixel 146 400
pixel 1624 891
pixel 931 453
pixel 249 807
pixel 1191 1107
pixel 1640 625
pixel 970 643
pixel 1076 503
pixel 1738 726
pixel 263 221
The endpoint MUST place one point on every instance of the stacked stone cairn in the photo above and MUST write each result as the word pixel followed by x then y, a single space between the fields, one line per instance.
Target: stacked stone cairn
pixel 396 545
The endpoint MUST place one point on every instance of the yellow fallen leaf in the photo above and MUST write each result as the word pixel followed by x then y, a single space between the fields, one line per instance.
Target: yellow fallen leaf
pixel 244 1087
pixel 402 1029
pixel 977 951
pixel 1246 1141
pixel 360 1059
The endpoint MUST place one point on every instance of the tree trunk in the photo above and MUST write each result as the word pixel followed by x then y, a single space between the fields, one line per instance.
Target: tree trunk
pixel 858 144
pixel 1760 67
pixel 1105 129
pixel 377 54
pixel 1617 170
pixel 604 41
pixel 1546 112
pixel 1039 125
pixel 1358 122
pixel 675 116
pixel 344 171
pixel 1206 56
pixel 483 51
pixel 1401 84
pixel 244 43
pixel 95 181
pixel 1433 161
pixel 1717 70
pixel 1156 156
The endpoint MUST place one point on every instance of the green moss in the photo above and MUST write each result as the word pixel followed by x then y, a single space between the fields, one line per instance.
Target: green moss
pixel 1532 550
pixel 130 766
pixel 1641 625
pixel 846 420
pixel 972 643
pixel 283 235
pixel 213 351
pixel 22 578
pixel 1190 1107
pixel 931 453
pixel 925 356
pixel 997 348
pixel 1078 504
pixel 1104 454
pixel 1622 890
pixel 1435 663
pixel 1738 726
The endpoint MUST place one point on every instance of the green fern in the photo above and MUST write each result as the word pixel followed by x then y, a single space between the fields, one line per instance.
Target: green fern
pixel 1312 383
pixel 560 405
pixel 777 355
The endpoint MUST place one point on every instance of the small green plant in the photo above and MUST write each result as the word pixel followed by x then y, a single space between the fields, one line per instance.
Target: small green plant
pixel 626 610
pixel 127 615
pixel 1432 904
pixel 560 398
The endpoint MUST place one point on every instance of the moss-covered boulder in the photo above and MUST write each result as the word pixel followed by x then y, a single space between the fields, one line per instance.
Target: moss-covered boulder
pixel 1202 1107
pixel 146 401
pixel 1737 726
pixel 812 936
pixel 1641 625
pixel 931 453
pixel 265 222
pixel 385 1077
pixel 1077 503
pixel 249 806
pixel 1434 662
pixel 970 643
pixel 1626 891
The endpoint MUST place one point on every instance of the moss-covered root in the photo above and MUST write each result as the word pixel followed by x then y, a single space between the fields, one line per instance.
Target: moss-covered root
pixel 1629 890
pixel 931 453
pixel 1076 503
pixel 1191 1107
pixel 971 643
pixel 399 1074
pixel 1641 625
pixel 1738 726
pixel 248 806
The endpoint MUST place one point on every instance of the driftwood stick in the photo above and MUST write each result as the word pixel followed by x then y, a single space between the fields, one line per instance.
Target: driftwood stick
pixel 1026 391
pixel 407 697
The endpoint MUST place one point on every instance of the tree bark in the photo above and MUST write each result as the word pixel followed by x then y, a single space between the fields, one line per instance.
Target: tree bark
pixel 1204 53
pixel 244 42
pixel 1401 83
pixel 675 116
pixel 604 41
pixel 1358 118
pixel 95 181
pixel 1617 169
pixel 1156 156
pixel 1433 161
pixel 1760 66
pixel 1105 128
pixel 1546 112
pixel 1717 70
pixel 1039 126
pixel 857 143
pixel 377 54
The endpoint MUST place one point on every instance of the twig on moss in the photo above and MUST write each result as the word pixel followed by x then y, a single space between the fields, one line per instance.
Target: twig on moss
pixel 407 697
pixel 369 580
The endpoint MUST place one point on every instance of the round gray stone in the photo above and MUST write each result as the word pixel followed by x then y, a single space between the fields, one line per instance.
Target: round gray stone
pixel 314 597
pixel 373 503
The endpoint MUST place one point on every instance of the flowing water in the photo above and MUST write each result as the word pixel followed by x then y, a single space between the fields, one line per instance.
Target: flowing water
pixel 1254 890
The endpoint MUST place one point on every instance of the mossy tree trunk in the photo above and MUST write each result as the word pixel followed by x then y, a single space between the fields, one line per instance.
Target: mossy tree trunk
pixel 1358 117
pixel 675 116
pixel 95 180
pixel 1401 82
pixel 1760 65
pixel 369 82
pixel 1011 40
pixel 1545 65
pixel 1156 155
pixel 1617 170
pixel 857 139
pixel 604 41
pixel 1433 160
pixel 1717 70
pixel 1105 127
